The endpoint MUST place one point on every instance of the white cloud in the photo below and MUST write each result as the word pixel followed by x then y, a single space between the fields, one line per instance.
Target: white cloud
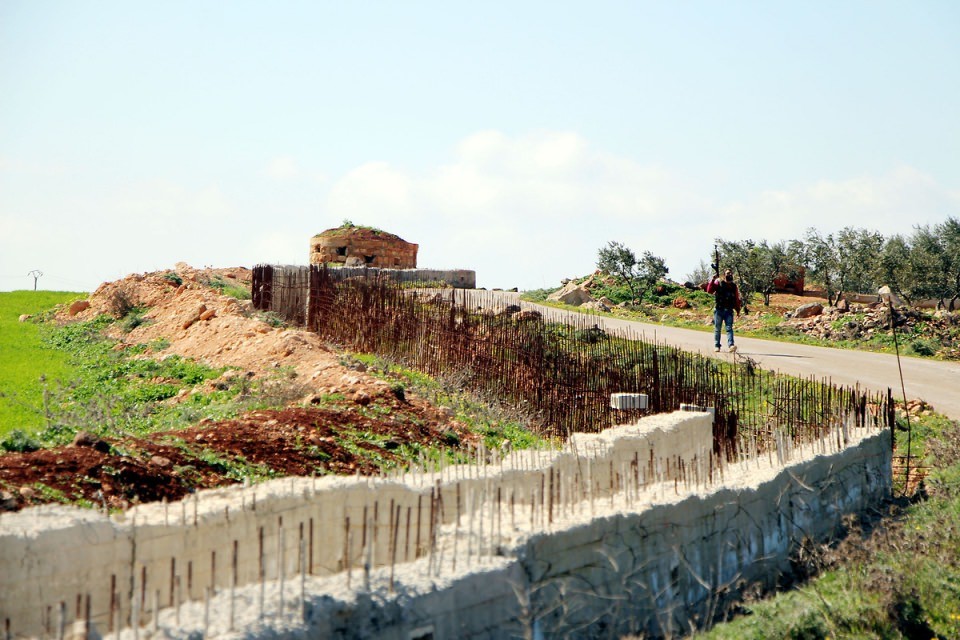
pixel 87 235
pixel 523 211
pixel 530 210
pixel 282 168
pixel 890 203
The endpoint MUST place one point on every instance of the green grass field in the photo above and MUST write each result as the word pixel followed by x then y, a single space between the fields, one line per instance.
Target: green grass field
pixel 24 358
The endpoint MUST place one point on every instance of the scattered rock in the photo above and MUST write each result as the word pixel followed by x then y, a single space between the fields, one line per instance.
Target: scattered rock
pixel 208 314
pixel 842 305
pixel 85 439
pixel 681 303
pixel 160 461
pixel 79 306
pixel 595 305
pixel 27 493
pixel 887 295
pixel 808 310
pixel 8 502
pixel 25 317
pixel 572 294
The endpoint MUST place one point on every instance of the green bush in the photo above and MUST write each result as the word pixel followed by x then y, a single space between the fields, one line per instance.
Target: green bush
pixel 784 331
pixel 537 295
pixel 924 346
pixel 134 318
pixel 18 440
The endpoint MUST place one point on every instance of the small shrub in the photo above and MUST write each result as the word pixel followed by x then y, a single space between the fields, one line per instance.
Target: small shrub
pixel 173 278
pixel 237 291
pixel 272 318
pixel 592 335
pixel 120 303
pixel 924 347
pixel 134 318
pixel 18 441
pixel 785 331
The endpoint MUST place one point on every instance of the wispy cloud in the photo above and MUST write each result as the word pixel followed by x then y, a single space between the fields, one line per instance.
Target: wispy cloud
pixel 531 209
pixel 522 211
pixel 890 203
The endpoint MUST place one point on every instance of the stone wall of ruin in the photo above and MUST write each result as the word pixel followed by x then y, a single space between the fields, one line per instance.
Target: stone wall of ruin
pixel 388 253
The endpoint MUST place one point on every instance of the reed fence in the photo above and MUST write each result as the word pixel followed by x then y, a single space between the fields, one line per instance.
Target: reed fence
pixel 559 376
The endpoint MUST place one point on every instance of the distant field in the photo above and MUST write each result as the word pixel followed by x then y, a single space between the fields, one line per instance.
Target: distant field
pixel 23 358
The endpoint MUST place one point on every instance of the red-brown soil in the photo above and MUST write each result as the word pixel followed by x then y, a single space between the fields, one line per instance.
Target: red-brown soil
pixel 302 439
pixel 295 441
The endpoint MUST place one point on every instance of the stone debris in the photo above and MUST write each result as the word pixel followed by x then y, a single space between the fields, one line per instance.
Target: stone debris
pixel 808 310
pixel 79 306
pixel 857 321
pixel 572 294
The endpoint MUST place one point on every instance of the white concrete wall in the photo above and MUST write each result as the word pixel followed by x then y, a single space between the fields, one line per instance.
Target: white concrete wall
pixel 544 508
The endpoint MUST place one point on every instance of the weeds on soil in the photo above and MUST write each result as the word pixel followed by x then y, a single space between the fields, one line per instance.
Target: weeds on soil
pixel 122 393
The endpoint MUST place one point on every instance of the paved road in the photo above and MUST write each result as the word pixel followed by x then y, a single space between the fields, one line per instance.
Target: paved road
pixel 935 382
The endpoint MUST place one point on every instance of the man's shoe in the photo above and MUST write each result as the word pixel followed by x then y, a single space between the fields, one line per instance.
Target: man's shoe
pixel 717 349
pixel 733 348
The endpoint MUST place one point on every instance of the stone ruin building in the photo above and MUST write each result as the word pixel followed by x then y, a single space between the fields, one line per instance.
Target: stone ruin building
pixel 351 245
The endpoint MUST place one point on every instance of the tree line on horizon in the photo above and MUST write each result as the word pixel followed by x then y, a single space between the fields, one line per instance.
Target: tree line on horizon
pixel 922 265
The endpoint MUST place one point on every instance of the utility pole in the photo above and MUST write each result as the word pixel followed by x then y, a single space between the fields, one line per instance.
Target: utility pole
pixel 36 273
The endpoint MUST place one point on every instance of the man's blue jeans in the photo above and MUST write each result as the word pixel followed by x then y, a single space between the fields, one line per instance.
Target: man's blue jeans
pixel 719 317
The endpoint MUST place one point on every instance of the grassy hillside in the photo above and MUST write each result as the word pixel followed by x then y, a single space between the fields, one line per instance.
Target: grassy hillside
pixel 24 359
pixel 897 578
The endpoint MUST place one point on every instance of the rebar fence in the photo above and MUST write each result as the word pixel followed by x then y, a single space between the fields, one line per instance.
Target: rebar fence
pixel 560 376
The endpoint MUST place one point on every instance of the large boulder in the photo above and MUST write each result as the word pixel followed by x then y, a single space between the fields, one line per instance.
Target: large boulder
pixel 887 295
pixel 808 310
pixel 572 294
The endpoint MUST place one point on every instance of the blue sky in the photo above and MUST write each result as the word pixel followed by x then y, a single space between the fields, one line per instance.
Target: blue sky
pixel 514 138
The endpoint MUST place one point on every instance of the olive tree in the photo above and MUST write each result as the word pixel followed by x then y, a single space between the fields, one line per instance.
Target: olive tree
pixel 847 261
pixel 639 275
pixel 756 265
pixel 935 261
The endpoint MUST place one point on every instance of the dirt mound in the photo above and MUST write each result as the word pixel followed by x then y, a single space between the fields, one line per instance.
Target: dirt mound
pixel 298 441
pixel 186 317
pixel 184 312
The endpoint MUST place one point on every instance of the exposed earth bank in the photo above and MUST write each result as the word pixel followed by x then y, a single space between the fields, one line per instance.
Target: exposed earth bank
pixel 187 315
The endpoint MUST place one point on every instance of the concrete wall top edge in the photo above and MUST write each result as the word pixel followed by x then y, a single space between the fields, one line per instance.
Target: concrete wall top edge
pixel 212 503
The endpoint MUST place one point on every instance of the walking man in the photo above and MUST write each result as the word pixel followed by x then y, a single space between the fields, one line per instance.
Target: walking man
pixel 727 299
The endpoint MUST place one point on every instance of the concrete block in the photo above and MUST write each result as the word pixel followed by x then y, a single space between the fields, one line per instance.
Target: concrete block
pixel 624 401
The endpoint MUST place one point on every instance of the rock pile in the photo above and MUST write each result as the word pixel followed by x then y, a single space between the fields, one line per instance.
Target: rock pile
pixel 857 321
